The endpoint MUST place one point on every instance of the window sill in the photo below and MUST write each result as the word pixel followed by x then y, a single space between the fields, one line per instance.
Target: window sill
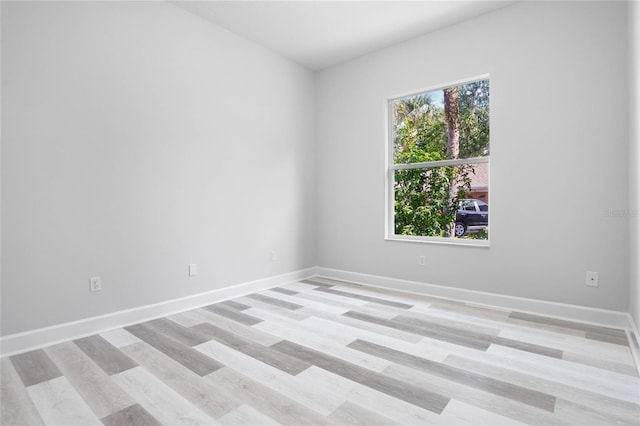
pixel 438 240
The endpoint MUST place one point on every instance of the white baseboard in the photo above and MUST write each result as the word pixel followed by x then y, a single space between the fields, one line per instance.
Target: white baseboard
pixel 33 339
pixel 634 341
pixel 565 311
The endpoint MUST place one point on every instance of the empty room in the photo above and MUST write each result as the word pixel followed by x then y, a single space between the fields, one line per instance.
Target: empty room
pixel 320 212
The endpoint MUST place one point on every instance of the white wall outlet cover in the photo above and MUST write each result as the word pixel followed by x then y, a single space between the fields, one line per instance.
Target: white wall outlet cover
pixel 95 284
pixel 193 269
pixel 592 279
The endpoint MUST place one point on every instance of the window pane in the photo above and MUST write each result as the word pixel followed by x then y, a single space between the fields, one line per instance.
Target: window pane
pixel 469 206
pixel 421 199
pixel 441 201
pixel 422 124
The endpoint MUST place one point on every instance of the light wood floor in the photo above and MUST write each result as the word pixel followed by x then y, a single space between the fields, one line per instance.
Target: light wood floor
pixel 323 352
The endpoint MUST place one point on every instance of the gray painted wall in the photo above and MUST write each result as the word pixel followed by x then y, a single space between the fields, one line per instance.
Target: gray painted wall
pixel 136 139
pixel 634 163
pixel 559 153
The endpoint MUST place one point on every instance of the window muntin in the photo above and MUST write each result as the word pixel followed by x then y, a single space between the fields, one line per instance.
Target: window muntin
pixel 439 154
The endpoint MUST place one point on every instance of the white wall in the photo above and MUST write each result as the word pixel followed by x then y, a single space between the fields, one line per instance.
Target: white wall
pixel 559 135
pixel 634 163
pixel 136 139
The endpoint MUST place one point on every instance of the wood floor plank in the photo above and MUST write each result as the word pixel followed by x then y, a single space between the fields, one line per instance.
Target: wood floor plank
pixel 318 331
pixel 415 300
pixel 579 414
pixel 587 328
pixel 312 310
pixel 308 336
pixel 449 330
pixel 522 324
pixel 362 297
pixel 159 400
pixel 476 339
pixel 386 384
pixel 570 343
pixel 262 353
pixel 508 327
pixel 305 290
pixel 614 385
pixel 184 335
pixel 528 347
pixel 119 337
pixel 185 319
pixel 468 378
pixel 133 415
pixel 353 325
pixel 34 367
pixel 467 341
pixel 245 415
pixel 332 330
pixel 429 320
pixel 316 399
pixel 471 310
pixel 294 315
pixel 454 335
pixel 350 413
pixel 249 332
pixel 382 311
pixel 334 301
pixel 475 397
pixel 232 314
pixel 180 353
pixel 233 304
pixel 315 283
pixel 92 383
pixel 284 291
pixel 603 364
pixel 370 399
pixel 16 408
pixel 498 368
pixel 336 304
pixel 204 394
pixel 266 399
pixel 59 404
pixel 103 353
pixel 274 301
pixel 309 303
pixel 461 413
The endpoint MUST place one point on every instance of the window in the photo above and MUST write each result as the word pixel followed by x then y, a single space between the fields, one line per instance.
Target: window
pixel 468 205
pixel 438 164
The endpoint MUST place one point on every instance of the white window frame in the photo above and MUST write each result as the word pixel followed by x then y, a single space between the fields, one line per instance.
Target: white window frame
pixel 390 168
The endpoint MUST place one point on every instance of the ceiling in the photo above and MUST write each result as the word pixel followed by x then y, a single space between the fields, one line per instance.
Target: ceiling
pixel 318 34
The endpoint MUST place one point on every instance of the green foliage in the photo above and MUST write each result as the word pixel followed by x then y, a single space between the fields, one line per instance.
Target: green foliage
pixel 474 119
pixel 423 205
pixel 482 234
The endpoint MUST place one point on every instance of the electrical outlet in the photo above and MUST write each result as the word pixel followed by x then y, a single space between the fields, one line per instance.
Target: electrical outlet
pixel 95 284
pixel 273 256
pixel 193 269
pixel 421 260
pixel 592 279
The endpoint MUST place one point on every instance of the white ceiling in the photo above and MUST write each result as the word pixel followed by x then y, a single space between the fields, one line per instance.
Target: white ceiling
pixel 318 34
